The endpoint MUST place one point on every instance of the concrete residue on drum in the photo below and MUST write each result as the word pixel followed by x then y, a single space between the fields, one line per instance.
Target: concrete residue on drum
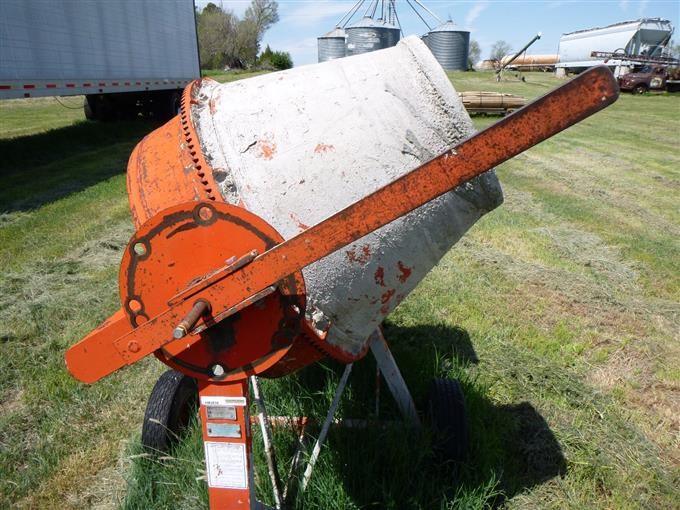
pixel 342 130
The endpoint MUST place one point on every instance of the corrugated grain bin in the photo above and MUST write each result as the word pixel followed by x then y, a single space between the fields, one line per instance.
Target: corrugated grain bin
pixel 332 45
pixel 369 34
pixel 329 135
pixel 450 45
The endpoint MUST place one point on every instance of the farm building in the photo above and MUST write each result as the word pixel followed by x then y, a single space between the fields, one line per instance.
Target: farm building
pixel 647 36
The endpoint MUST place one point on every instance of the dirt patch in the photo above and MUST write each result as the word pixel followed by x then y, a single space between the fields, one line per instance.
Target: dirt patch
pixel 103 252
pixel 12 402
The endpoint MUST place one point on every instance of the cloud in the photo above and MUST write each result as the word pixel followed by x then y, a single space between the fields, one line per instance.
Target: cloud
pixel 475 11
pixel 307 15
pixel 642 7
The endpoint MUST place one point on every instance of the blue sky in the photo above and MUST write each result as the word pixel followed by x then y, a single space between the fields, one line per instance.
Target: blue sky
pixel 302 21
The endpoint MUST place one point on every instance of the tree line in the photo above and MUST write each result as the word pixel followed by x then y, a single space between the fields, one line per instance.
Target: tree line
pixel 227 41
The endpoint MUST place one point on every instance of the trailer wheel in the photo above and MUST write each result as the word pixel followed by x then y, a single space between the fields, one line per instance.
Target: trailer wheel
pixel 640 89
pixel 90 107
pixel 166 105
pixel 447 418
pixel 172 403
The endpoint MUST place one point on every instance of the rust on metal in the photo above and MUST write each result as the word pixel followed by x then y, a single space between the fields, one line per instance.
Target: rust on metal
pixel 107 348
pixel 207 280
pixel 200 308
pixel 169 168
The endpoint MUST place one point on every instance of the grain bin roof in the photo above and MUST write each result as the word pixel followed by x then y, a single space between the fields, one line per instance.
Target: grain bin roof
pixel 449 26
pixel 368 22
pixel 336 32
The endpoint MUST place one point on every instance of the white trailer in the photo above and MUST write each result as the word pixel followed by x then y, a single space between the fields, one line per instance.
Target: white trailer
pixel 125 56
pixel 645 37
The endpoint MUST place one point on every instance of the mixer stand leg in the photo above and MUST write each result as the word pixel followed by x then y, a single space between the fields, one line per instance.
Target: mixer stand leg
pixel 395 382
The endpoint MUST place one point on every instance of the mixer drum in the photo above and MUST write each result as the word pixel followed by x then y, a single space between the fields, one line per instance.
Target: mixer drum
pixel 297 146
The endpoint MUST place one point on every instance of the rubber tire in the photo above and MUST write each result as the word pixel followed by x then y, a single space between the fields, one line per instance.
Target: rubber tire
pixel 90 107
pixel 447 419
pixel 166 105
pixel 172 404
pixel 640 89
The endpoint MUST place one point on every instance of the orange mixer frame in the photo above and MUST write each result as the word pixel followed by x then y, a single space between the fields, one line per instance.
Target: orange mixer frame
pixel 216 293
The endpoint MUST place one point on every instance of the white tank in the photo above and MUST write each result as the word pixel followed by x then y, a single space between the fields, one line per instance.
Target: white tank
pixel 330 134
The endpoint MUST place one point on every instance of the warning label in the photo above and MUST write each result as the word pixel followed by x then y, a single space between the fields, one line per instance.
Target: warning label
pixel 226 465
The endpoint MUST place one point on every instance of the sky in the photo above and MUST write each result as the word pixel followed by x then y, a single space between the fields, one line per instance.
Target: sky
pixel 516 22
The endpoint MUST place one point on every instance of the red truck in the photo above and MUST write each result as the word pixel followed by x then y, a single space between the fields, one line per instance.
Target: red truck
pixel 651 77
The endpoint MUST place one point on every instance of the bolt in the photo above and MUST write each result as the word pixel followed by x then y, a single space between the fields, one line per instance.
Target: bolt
pixel 140 249
pixel 133 346
pixel 134 306
pixel 205 213
pixel 217 370
pixel 200 308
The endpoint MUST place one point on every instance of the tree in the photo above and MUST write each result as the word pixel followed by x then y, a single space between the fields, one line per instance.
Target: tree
pixel 264 13
pixel 226 40
pixel 499 50
pixel 474 53
pixel 259 17
pixel 217 32
pixel 278 60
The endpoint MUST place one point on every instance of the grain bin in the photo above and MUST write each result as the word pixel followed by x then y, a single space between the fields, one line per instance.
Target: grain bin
pixel 450 46
pixel 369 34
pixel 332 45
pixel 424 39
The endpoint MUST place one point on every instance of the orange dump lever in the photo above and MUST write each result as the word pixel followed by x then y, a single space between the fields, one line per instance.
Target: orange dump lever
pixel 167 268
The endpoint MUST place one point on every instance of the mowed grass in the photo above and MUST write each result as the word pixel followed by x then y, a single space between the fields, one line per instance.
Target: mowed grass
pixel 559 312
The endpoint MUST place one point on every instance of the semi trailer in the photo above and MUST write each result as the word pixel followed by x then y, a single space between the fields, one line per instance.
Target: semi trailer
pixel 125 56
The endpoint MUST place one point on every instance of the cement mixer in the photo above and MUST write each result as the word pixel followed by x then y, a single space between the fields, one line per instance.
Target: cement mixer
pixel 281 218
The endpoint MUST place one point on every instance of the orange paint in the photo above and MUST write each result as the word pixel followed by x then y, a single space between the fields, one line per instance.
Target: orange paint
pixel 323 148
pixel 379 276
pixel 404 272
pixel 301 226
pixel 361 258
pixel 387 295
pixel 267 149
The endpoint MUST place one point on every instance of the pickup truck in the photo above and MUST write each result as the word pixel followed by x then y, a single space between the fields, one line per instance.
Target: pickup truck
pixel 650 77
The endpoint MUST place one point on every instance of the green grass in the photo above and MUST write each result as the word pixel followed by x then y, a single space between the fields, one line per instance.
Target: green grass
pixel 559 312
pixel 231 75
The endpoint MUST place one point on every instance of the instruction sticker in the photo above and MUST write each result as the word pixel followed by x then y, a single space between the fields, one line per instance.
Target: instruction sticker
pixel 226 465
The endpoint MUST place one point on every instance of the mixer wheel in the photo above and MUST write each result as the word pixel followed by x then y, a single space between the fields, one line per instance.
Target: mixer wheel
pixel 172 404
pixel 447 418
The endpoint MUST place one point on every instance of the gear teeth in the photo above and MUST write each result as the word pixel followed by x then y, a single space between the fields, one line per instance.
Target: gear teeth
pixel 204 172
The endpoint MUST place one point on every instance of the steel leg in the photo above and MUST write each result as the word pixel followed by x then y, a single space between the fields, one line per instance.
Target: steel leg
pixel 395 381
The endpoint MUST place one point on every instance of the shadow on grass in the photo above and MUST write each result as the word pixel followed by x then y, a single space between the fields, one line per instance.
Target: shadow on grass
pixel 40 168
pixel 512 448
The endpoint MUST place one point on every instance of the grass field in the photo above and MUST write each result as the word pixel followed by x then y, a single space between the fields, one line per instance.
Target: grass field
pixel 559 312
